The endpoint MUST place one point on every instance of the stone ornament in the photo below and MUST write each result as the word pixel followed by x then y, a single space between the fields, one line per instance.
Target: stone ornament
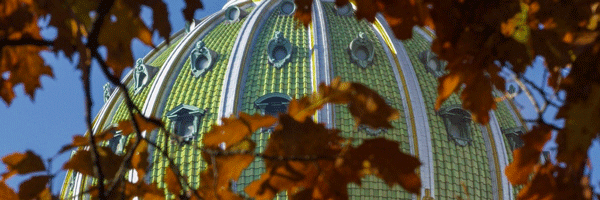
pixel 287 7
pixel 458 124
pixel 361 50
pixel 202 59
pixel 189 26
pixel 108 89
pixel 432 63
pixel 345 10
pixel 234 14
pixel 279 50
pixel 142 75
pixel 371 131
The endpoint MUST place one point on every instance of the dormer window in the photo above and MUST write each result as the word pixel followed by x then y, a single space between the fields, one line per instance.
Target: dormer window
pixel 361 50
pixel 273 103
pixel 458 124
pixel 202 59
pixel 116 143
pixel 107 91
pixel 513 135
pixel 432 63
pixel 142 75
pixel 185 121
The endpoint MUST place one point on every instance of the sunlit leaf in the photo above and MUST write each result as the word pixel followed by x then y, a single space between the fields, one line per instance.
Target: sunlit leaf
pixel 33 187
pixel 81 162
pixel 7 192
pixel 80 140
pixel 526 157
pixel 234 129
pixel 22 163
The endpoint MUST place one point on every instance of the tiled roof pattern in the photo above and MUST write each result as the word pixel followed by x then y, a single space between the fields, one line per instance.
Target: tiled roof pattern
pixel 203 92
pixel 139 99
pixel 378 76
pixel 293 79
pixel 453 164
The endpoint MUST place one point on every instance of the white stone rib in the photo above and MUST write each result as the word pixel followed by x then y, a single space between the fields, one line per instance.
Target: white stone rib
pixel 236 68
pixel 322 61
pixel 502 155
pixel 420 117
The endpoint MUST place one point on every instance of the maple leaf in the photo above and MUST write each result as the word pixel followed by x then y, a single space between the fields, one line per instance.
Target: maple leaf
pixel 81 162
pixel 139 160
pixel 303 11
pixel 33 187
pixel 234 130
pixel 80 140
pixel 552 182
pixel 144 124
pixel 526 157
pixel 190 7
pixel 114 37
pixel 229 166
pixel 172 181
pixel 367 107
pixel 20 64
pixel 383 158
pixel 294 139
pixel 22 163
pixel 7 192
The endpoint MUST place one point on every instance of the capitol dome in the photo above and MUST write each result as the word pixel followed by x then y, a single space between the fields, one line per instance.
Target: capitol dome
pixel 254 57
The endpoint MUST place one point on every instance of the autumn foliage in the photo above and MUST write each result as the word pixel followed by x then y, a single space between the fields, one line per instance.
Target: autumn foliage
pixel 478 39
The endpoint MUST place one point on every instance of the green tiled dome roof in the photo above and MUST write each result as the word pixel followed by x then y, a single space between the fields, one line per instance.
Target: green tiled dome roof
pixel 240 73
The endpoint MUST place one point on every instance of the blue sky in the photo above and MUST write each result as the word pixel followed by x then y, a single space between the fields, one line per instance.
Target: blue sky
pixel 57 113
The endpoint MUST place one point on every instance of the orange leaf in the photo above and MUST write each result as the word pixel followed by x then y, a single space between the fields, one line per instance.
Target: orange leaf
pixel 79 140
pixel 22 163
pixel 172 181
pixel 448 84
pixel 526 157
pixel 82 162
pixel 190 7
pixel 233 129
pixel 368 108
pixel 303 11
pixel 33 187
pixel 6 192
pixel 126 126
pixel 383 158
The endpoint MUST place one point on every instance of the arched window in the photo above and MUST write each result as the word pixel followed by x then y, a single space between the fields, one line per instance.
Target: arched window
pixel 458 124
pixel 513 135
pixel 185 121
pixel 142 75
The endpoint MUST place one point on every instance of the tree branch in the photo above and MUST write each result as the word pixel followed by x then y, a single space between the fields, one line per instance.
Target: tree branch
pixel 25 41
